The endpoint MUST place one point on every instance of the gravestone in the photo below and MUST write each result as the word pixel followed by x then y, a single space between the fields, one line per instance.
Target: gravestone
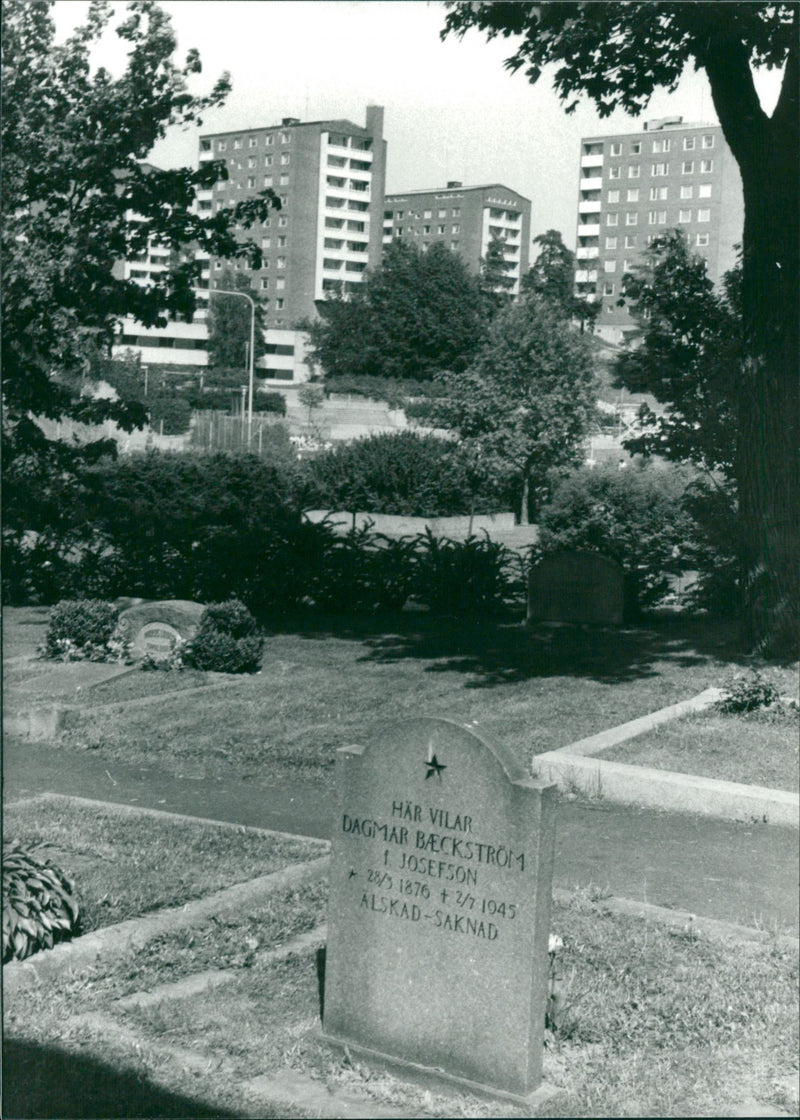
pixel 156 628
pixel 439 911
pixel 576 586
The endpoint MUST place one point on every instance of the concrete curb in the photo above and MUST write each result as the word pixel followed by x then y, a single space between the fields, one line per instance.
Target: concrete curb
pixel 574 768
pixel 133 934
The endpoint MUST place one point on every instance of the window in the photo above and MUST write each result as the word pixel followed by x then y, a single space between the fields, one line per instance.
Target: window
pixel 442 214
pixel 441 229
pixel 251 182
pixel 285 138
pixel 687 167
pixel 704 215
pixel 612 219
pixel 688 143
pixel 454 245
pixel 657 217
pixel 609 266
pixel 281 242
pixel 251 162
pixel 702 239
pixel 264 282
pixel 252 142
pixel 611 243
pixel 333 243
pixel 613 196
pixel 687 192
pixel 283 222
pixel 631 219
pixel 279 303
pixel 684 216
pixel 334 223
pixel 267 180
pixel 661 146
pixel 218 266
pixel 456 212
pixel 704 190
pixel 205 145
pixel 359 227
pixel 284 180
pixel 706 165
pixel 285 158
pixel 659 169
pixel 658 194
pixel 613 173
pixel 427 214
pixel 266 223
pixel 222 145
pixel 608 289
pixel 627 265
pixel 268 140
pixel 455 229
pixel 268 161
pixel 237 142
pixel 630 240
pixel 280 285
pixel 636 147
pixel 283 199
pixel 633 195
pixel 708 141
pixel 266 242
pixel 280 262
pixel 426 229
pixel 633 171
pixel 400 215
pixel 616 150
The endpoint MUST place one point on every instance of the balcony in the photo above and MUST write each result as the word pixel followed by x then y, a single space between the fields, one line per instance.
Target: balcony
pixel 588 229
pixel 591 206
pixel 593 184
pixel 587 252
pixel 586 276
pixel 594 159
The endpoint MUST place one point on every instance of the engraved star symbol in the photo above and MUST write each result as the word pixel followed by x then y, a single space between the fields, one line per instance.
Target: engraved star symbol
pixel 434 767
pixel 352 874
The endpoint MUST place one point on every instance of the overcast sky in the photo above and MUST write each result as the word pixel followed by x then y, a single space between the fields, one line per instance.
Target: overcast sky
pixel 452 110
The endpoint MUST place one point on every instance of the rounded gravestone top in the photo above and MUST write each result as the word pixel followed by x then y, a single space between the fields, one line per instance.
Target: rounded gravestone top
pixel 155 628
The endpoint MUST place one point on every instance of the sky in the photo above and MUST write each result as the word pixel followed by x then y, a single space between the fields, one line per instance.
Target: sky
pixel 451 109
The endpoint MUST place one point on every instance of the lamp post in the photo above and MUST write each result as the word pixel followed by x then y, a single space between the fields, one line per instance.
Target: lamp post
pixel 244 295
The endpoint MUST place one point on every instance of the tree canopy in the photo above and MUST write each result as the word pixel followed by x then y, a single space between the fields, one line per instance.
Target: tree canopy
pixel 686 354
pixel 552 276
pixel 618 55
pixel 79 198
pixel 229 323
pixel 527 402
pixel 419 313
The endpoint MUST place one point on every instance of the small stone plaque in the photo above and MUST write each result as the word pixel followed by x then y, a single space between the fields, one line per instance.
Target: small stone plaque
pixel 576 586
pixel 441 868
pixel 155 628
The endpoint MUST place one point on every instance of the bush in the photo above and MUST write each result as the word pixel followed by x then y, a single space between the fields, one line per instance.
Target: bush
pixel 748 694
pixel 39 903
pixel 636 516
pixel 363 570
pixel 81 628
pixel 395 391
pixel 475 576
pixel 270 402
pixel 227 640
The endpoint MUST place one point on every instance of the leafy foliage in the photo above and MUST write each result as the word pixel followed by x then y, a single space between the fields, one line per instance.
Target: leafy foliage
pixel 40 907
pixel 552 278
pixel 636 516
pixel 748 694
pixel 526 404
pixel 229 321
pixel 495 282
pixel 419 313
pixel 472 577
pixel 227 640
pixel 85 624
pixel 687 354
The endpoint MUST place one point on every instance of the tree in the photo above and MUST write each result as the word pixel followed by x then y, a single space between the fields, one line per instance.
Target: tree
pixel 527 402
pixel 419 313
pixel 686 353
pixel 552 276
pixel 495 282
pixel 229 324
pixel 78 198
pixel 310 396
pixel 619 54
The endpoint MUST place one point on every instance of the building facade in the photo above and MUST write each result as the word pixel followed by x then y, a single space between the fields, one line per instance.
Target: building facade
pixel 465 219
pixel 635 186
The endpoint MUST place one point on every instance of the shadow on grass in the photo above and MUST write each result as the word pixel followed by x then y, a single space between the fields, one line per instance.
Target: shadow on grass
pixel 496 652
pixel 46 1081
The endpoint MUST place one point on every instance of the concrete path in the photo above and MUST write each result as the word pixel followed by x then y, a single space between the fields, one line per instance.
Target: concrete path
pixel 745 873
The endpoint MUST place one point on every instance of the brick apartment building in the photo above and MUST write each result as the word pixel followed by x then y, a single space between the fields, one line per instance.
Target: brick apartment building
pixel 634 186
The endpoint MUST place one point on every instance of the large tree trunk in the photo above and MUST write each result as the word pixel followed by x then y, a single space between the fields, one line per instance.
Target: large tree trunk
pixel 767 150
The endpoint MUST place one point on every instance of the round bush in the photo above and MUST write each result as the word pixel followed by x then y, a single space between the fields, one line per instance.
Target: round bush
pixel 227 640
pixel 80 622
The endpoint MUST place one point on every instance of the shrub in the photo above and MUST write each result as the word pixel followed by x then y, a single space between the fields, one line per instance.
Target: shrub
pixel 636 516
pixel 362 570
pixel 227 640
pixel 748 694
pixel 474 576
pixel 81 628
pixel 39 903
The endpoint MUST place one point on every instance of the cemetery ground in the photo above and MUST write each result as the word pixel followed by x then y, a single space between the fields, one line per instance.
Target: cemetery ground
pixel 219 1017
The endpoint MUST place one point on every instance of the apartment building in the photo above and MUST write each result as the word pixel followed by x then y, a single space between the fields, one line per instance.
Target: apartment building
pixel 634 186
pixel 465 219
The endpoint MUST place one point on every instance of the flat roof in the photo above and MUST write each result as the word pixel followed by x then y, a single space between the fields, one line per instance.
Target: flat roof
pixel 453 190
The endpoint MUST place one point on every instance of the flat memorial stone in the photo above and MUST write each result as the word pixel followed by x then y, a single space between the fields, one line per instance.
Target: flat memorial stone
pixel 155 628
pixel 439 912
pixel 576 586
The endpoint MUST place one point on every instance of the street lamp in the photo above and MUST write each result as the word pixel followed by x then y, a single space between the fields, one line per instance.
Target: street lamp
pixel 244 295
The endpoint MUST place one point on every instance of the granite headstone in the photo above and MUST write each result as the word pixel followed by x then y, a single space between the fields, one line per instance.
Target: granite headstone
pixel 439 910
pixel 155 628
pixel 576 586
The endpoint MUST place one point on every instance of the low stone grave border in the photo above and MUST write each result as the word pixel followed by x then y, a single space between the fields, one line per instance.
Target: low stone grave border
pixel 574 768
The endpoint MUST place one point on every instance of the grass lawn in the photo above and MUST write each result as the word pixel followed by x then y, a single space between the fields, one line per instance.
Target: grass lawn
pixel 754 749
pixel 658 1023
pixel 320 686
pixel 126 864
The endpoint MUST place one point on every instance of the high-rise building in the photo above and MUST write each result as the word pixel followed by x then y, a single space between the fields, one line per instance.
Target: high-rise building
pixel 330 177
pixel 465 219
pixel 634 186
